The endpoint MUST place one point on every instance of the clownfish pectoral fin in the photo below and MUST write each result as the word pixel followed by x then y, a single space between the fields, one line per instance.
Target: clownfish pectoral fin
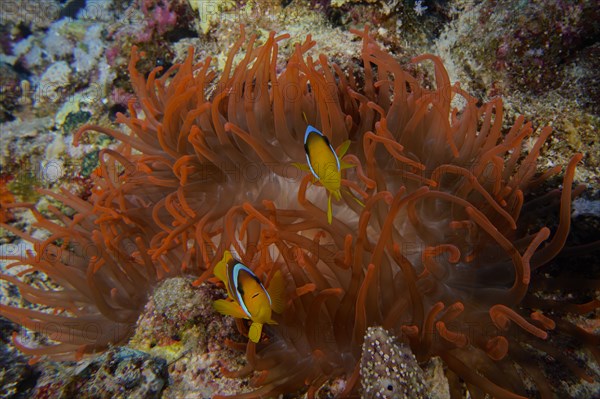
pixel 229 308
pixel 346 165
pixel 301 166
pixel 342 149
pixel 305 168
pixel 255 332
pixel 276 292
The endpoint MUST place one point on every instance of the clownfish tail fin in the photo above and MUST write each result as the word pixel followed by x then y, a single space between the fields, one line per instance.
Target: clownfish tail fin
pixel 276 291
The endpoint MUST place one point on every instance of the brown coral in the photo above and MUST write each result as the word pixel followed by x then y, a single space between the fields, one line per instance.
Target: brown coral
pixel 439 253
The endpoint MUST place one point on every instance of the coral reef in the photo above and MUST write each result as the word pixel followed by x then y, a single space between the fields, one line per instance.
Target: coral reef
pixel 450 252
pixel 443 252
pixel 118 373
pixel 6 198
pixel 526 46
pixel 17 378
pixel 177 308
pixel 10 83
pixel 53 81
pixel 179 325
pixel 539 57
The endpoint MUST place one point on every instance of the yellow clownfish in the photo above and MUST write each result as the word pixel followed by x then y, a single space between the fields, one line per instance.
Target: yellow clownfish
pixel 324 163
pixel 247 297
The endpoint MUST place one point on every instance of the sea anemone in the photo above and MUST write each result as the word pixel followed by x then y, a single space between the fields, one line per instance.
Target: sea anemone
pixel 433 239
pixel 103 274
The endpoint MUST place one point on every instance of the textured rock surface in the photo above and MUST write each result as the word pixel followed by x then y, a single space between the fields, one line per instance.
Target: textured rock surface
pixel 118 373
pixel 389 369
pixel 180 325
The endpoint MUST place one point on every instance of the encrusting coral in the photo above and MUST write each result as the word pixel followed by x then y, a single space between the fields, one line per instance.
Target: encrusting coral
pixel 442 254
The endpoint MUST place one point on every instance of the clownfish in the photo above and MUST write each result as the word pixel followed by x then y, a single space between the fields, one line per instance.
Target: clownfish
pixel 324 163
pixel 247 297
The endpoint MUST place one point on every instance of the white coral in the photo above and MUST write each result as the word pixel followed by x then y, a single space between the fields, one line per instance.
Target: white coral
pixel 56 77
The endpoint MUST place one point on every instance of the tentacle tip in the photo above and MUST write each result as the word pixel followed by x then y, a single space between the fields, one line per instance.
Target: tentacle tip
pixel 227 374
pixel 197 282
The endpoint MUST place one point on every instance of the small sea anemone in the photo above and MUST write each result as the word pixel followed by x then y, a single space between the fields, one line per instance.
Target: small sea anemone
pixel 439 250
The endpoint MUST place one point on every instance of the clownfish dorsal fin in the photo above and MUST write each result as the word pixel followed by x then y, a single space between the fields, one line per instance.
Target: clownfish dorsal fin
pixel 276 291
pixel 220 270
pixel 305 118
